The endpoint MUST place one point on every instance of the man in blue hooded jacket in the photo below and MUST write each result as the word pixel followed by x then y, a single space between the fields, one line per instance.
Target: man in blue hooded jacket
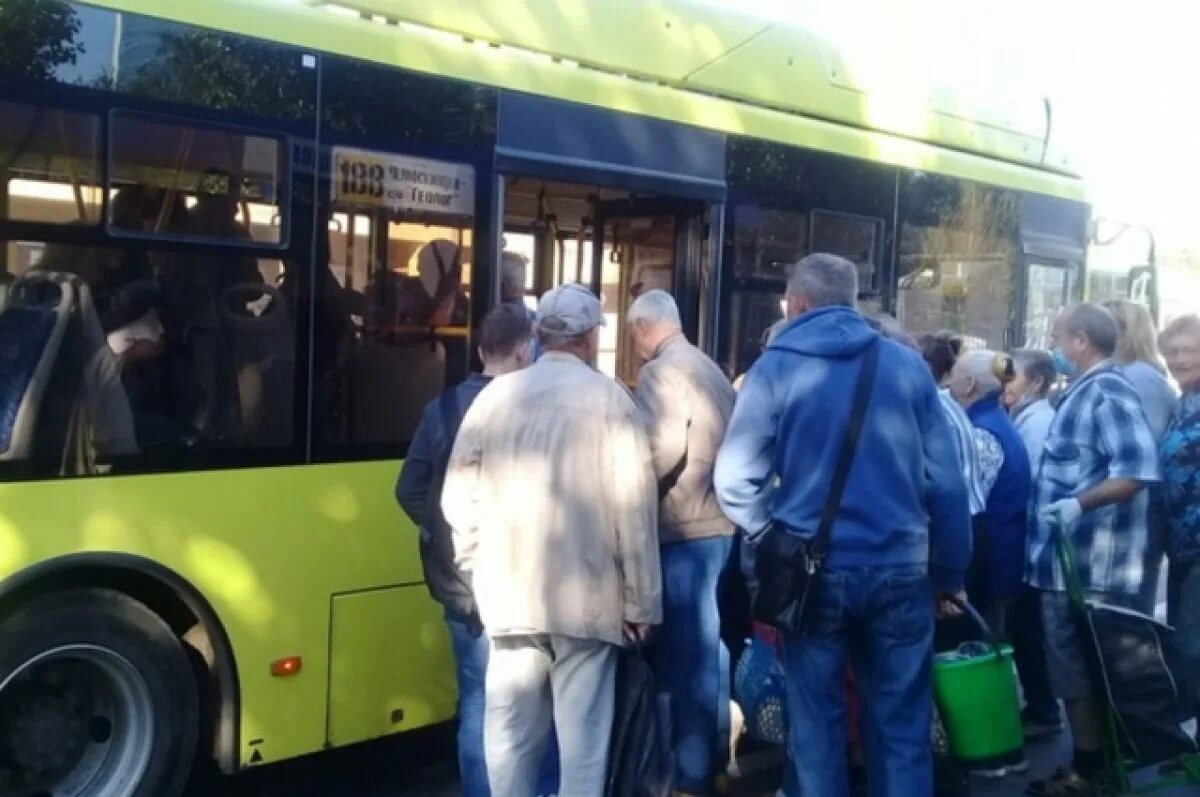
pixel 900 538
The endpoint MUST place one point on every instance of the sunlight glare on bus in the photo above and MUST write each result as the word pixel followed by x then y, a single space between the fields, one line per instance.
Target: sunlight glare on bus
pixel 108 531
pixel 222 570
pixel 12 546
pixel 339 503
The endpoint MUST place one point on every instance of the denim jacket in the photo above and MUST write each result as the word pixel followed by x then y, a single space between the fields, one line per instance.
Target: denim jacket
pixel 1180 451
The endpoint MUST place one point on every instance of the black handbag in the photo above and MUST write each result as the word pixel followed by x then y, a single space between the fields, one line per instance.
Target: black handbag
pixel 640 760
pixel 787 566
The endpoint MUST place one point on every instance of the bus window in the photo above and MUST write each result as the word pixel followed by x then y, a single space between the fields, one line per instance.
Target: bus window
pixel 175 358
pixel 957 259
pixel 859 239
pixel 394 303
pixel 52 165
pixel 195 182
pixel 767 242
pixel 785 203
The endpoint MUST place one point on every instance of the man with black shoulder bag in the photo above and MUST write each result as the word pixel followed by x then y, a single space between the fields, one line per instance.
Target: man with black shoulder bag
pixel 841 467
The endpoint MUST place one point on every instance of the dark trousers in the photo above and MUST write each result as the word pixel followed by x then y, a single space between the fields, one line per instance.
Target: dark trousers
pixel 1183 612
pixel 1029 654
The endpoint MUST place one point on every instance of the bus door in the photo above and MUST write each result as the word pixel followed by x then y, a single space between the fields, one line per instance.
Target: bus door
pixel 1109 274
pixel 1049 286
pixel 638 245
pixel 1053 237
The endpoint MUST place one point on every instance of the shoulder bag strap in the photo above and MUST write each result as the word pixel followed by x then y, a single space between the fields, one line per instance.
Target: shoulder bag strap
pixel 841 473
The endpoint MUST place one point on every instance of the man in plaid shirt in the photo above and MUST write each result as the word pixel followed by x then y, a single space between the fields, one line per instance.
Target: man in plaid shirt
pixel 1099 457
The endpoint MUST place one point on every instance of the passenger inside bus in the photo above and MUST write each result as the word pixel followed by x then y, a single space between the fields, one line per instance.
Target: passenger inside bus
pixel 392 319
pixel 201 348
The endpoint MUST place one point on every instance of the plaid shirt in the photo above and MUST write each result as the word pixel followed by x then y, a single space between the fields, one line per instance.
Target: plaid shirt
pixel 1099 433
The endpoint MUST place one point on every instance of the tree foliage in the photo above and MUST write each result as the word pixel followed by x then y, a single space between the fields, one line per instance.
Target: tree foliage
pixel 214 70
pixel 37 37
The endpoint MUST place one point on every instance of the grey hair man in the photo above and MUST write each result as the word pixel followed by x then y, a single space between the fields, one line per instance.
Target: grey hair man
pixel 900 531
pixel 1099 456
pixel 821 280
pixel 550 493
pixel 686 402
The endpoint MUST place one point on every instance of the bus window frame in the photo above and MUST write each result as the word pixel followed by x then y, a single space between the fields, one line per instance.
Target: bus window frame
pixel 283 207
pixel 865 291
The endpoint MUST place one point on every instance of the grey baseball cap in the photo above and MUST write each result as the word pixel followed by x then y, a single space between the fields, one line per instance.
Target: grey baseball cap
pixel 569 309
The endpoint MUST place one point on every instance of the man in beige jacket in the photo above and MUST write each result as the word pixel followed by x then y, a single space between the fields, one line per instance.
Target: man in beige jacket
pixel 686 402
pixel 550 493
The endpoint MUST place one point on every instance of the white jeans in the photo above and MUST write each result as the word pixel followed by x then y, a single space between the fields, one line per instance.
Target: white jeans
pixel 533 680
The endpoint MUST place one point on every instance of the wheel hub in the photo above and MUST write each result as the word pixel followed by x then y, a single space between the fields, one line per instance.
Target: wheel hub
pixel 49 729
pixel 76 721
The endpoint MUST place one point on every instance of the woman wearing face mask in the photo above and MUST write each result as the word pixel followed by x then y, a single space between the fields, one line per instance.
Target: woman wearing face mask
pixel 1026 399
pixel 1180 453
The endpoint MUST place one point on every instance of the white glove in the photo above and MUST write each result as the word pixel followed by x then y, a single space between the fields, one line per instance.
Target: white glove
pixel 1067 511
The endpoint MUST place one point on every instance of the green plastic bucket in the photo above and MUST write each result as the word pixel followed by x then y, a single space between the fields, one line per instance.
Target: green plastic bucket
pixel 977 699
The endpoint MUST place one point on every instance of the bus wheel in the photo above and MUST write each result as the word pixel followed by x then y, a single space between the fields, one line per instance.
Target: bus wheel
pixel 97 699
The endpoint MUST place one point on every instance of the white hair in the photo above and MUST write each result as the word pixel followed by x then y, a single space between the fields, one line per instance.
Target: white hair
pixel 512 273
pixel 980 364
pixel 655 307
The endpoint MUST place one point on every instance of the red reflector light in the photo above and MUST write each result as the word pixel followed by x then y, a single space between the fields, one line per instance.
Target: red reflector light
pixel 282 668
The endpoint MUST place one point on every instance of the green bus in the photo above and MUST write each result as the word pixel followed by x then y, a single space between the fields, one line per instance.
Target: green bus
pixel 244 242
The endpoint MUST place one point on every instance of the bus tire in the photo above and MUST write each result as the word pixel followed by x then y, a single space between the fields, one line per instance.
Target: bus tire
pixel 97 699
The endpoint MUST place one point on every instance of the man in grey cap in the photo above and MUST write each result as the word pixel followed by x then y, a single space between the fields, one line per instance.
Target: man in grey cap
pixel 551 495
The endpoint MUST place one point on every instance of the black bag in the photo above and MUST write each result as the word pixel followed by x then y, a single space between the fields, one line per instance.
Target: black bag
pixel 640 760
pixel 787 567
pixel 1131 658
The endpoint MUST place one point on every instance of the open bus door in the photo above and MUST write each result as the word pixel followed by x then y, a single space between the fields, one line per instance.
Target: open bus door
pixel 1138 283
pixel 640 244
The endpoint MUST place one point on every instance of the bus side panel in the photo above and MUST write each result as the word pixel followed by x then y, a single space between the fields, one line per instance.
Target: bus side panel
pixel 268 548
pixel 377 685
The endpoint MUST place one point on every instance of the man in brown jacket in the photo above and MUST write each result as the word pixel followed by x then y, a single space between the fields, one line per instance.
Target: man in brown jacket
pixel 550 494
pixel 686 402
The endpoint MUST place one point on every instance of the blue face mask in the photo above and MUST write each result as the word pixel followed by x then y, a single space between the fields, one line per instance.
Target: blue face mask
pixel 1061 363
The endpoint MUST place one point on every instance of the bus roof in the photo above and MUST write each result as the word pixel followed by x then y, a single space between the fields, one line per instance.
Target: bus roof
pixel 688 61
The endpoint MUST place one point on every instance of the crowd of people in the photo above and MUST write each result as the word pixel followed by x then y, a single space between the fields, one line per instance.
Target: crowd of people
pixel 869 485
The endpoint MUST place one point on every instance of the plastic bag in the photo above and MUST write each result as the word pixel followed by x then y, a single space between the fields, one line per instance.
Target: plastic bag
pixel 640 762
pixel 761 690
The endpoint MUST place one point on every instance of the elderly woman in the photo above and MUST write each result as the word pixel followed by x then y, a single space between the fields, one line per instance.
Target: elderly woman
pixel 1180 343
pixel 1025 396
pixel 975 384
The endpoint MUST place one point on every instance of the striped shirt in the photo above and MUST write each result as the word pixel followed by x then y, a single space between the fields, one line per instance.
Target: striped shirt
pixel 968 451
pixel 1099 433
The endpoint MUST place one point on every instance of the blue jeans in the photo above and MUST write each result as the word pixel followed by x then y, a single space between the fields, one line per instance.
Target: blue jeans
pixel 881 620
pixel 470 662
pixel 692 663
